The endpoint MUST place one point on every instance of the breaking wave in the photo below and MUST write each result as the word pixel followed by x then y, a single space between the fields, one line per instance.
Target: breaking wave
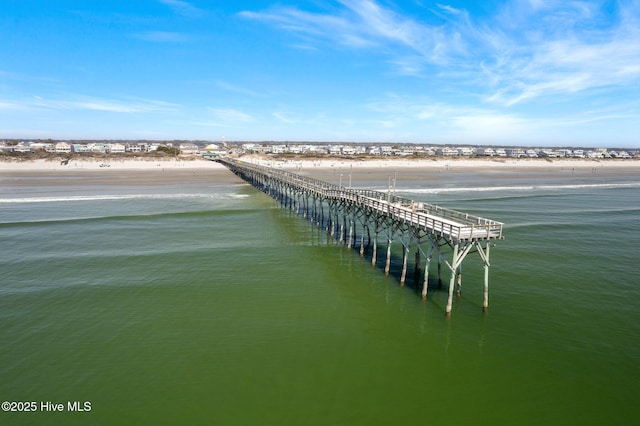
pixel 76 198
pixel 517 188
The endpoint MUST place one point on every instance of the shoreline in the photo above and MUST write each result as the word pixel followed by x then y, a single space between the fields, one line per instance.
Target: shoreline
pixel 105 164
pixel 440 163
pixel 43 172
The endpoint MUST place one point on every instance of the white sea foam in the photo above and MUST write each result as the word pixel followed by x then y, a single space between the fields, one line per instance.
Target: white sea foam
pixel 110 197
pixel 515 188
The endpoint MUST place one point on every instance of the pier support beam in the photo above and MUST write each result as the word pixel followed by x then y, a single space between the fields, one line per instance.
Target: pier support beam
pixel 405 257
pixel 452 281
pixel 375 247
pixel 425 284
pixel 387 265
pixel 485 257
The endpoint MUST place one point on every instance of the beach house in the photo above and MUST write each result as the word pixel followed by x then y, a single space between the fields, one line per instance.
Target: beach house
pixel 62 148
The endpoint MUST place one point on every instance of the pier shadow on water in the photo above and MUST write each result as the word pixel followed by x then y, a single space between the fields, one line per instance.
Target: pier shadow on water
pixel 316 233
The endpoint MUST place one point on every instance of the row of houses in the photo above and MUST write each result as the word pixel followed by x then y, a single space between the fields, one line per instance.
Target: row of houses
pixel 188 148
pixel 63 147
pixel 552 153
pixel 412 150
pixel 68 147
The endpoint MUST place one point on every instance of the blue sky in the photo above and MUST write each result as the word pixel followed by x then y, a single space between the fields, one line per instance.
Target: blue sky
pixel 530 72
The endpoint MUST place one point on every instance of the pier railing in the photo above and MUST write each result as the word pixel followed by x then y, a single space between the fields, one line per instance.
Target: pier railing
pixel 430 218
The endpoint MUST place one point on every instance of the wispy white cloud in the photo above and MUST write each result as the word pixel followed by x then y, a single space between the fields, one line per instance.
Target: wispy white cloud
pixel 449 9
pixel 309 26
pixel 230 115
pixel 132 106
pixel 220 118
pixel 74 102
pixel 526 50
pixel 570 51
pixel 8 105
pixel 163 36
pixel 230 87
pixel 425 119
pixel 205 124
pixel 183 8
pixel 281 116
pixel 363 24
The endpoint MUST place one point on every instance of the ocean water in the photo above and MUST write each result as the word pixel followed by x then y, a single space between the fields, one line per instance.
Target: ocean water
pixel 198 303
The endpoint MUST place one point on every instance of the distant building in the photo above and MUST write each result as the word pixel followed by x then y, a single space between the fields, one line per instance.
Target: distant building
pixel 335 150
pixel 62 148
pixel 487 152
pixel 374 150
pixel 189 148
pixel 80 147
pixel 446 151
pixel 620 154
pixel 295 149
pixel 23 148
pixel 386 150
pixel 467 151
pixel 48 147
pixel 278 149
pixel 348 150
pixel 515 152
pixel 116 148
pixel 549 153
pixel 137 147
pixel 97 147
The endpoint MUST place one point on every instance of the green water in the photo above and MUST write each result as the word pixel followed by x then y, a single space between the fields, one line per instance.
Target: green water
pixel 210 304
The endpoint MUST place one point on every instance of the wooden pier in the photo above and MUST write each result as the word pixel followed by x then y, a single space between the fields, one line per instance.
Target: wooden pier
pixel 346 213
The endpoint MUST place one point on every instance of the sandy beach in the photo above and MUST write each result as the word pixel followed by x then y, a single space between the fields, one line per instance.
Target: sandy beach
pixel 443 163
pixel 114 172
pixel 159 171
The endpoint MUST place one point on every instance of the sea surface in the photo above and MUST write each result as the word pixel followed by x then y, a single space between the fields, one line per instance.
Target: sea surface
pixel 208 303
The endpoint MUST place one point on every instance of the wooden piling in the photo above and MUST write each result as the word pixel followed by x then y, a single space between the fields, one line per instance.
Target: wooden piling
pixel 425 284
pixel 405 257
pixel 485 303
pixel 387 266
pixel 375 247
pixel 452 280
